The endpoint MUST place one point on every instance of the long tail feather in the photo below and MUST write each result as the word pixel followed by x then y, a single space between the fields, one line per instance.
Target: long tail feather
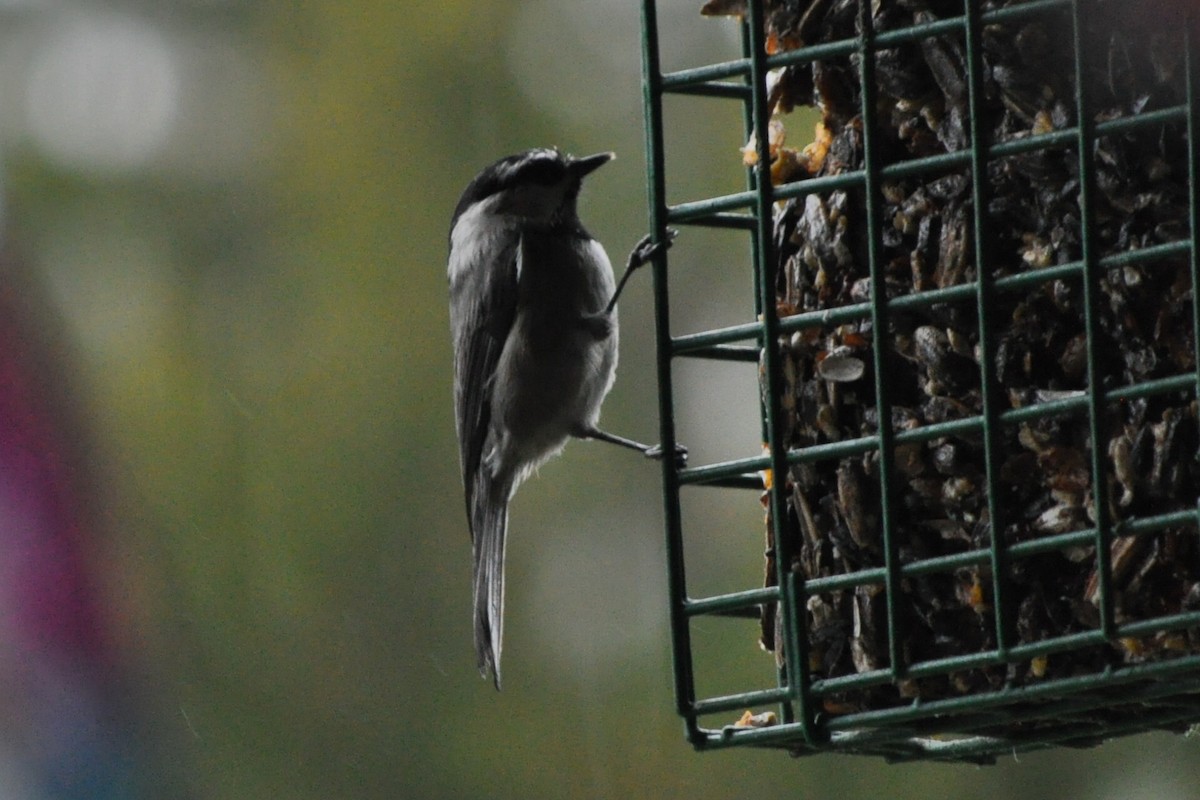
pixel 489 524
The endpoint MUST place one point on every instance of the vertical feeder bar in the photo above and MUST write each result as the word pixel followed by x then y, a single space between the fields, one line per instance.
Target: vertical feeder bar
pixel 880 339
pixel 795 643
pixel 787 713
pixel 1092 297
pixel 985 294
pixel 681 650
pixel 752 179
pixel 1190 67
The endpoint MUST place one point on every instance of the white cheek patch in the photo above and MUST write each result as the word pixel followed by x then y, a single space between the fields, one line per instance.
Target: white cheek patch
pixel 476 235
pixel 520 258
pixel 479 229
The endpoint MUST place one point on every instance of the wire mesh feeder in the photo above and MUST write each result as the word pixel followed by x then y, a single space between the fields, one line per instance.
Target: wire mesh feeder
pixel 976 331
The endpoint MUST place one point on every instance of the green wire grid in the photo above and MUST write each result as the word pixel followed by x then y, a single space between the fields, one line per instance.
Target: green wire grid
pixel 976 727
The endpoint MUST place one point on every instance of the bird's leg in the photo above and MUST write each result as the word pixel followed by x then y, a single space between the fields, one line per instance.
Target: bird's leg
pixel 642 253
pixel 654 451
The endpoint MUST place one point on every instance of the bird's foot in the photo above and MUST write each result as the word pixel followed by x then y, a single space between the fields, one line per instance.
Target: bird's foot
pixel 681 454
pixel 645 250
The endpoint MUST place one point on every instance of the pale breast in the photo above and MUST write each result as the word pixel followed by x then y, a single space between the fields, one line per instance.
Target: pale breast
pixel 555 369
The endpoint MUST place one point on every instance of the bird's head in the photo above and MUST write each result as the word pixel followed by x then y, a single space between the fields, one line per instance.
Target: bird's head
pixel 537 187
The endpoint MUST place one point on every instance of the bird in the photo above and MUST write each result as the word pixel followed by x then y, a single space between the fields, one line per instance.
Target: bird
pixel 534 327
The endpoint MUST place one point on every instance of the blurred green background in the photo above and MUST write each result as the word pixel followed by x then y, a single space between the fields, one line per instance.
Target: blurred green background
pixel 235 215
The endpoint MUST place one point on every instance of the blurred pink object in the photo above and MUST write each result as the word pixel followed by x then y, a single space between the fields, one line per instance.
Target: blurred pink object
pixel 46 602
pixel 59 737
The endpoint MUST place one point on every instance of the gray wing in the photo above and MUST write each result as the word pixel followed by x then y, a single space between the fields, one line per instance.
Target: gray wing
pixel 483 303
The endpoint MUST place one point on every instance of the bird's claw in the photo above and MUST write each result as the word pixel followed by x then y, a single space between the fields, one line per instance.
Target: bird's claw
pixel 645 249
pixel 681 454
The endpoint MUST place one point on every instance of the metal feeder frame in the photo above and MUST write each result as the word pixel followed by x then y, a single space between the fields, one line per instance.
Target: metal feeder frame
pixel 1166 693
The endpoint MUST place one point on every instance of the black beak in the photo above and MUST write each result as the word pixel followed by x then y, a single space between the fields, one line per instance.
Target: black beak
pixel 579 167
